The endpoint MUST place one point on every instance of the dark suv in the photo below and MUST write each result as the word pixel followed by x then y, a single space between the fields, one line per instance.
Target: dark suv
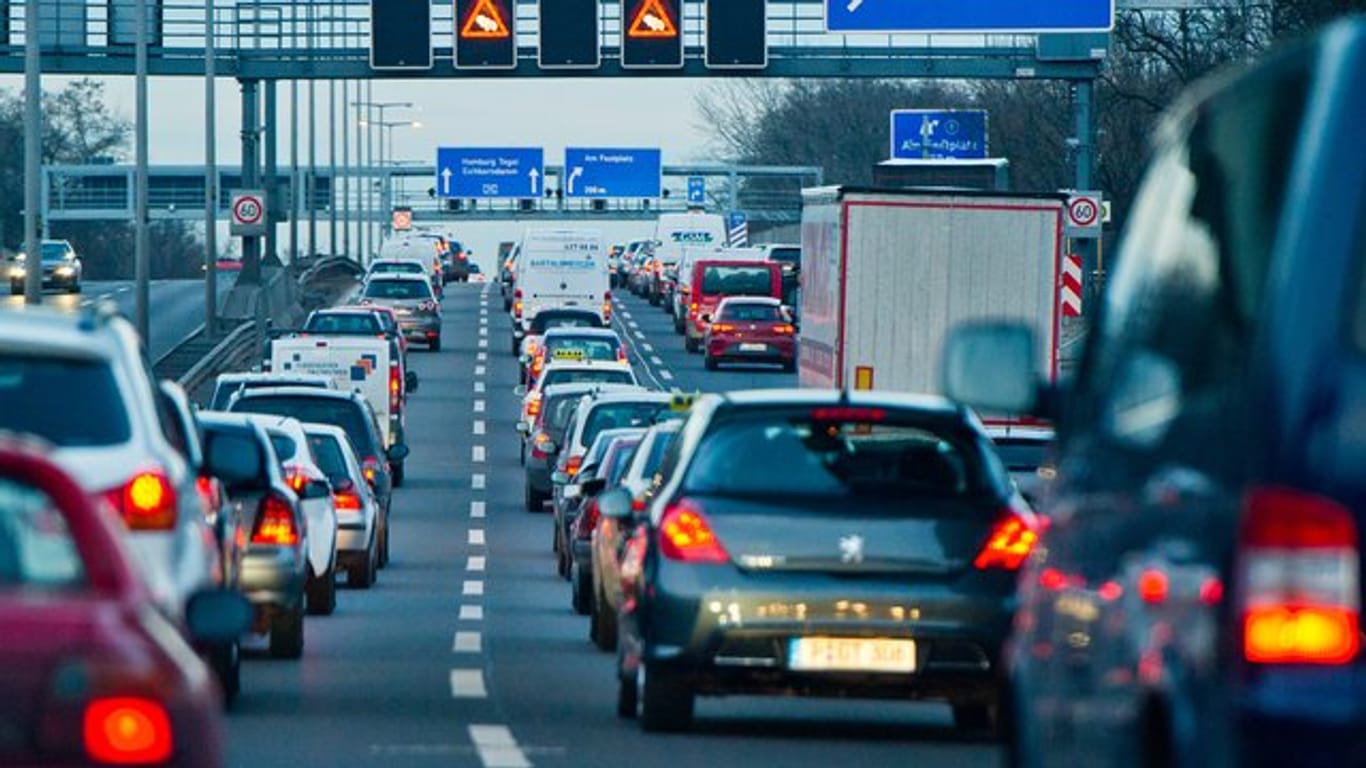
pixel 1196 600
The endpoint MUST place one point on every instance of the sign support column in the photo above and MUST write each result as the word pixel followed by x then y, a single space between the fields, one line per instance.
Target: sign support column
pixel 142 246
pixel 251 175
pixel 271 255
pixel 1085 128
pixel 33 145
pixel 210 177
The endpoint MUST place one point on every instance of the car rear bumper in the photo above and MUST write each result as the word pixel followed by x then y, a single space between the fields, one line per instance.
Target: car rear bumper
pixel 273 576
pixel 773 349
pixel 418 329
pixel 1303 716
pixel 352 539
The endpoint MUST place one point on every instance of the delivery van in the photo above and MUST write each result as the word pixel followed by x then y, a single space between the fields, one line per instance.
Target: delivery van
pixel 560 269
pixel 673 233
pixel 364 364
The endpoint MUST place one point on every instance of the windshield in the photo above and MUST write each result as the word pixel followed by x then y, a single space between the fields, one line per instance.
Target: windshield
pixel 737 281
pixel 339 413
pixel 36 547
pixel 55 251
pixel 589 376
pixel 649 464
pixel 69 403
pixel 786 256
pixel 558 409
pixel 619 460
pixel 398 267
pixel 344 322
pixel 1022 455
pixel 283 445
pixel 802 454
pixel 414 290
pixel 619 415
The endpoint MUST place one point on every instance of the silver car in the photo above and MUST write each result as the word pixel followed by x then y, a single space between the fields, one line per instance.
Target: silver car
pixel 359 519
pixel 411 298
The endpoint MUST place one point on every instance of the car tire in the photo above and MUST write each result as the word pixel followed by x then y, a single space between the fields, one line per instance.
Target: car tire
pixel 534 501
pixel 692 345
pixel 666 699
pixel 398 475
pixel 16 289
pixel 581 587
pixel 789 366
pixel 434 345
pixel 322 593
pixel 603 624
pixel 709 363
pixel 362 575
pixel 516 346
pixel 979 717
pixel 562 563
pixel 628 698
pixel 74 288
pixel 679 327
pixel 287 634
pixel 384 542
pixel 226 661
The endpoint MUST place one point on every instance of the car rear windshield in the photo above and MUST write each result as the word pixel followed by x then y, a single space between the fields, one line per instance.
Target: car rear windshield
pixel 656 456
pixel 589 376
pixel 785 256
pixel 329 455
pixel 824 453
pixel 339 413
pixel 401 268
pixel 751 313
pixel 69 403
pixel 36 547
pixel 1021 455
pixel 620 460
pixel 617 416
pixel 737 281
pixel 547 320
pixel 398 289
pixel 581 348
pixel 283 445
pixel 558 409
pixel 344 322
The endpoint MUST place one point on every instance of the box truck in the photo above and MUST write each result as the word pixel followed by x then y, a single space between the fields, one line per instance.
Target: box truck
pixel 887 274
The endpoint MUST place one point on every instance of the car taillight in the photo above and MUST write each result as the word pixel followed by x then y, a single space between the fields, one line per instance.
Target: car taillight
pixel 572 465
pixel 517 309
pixel 537 363
pixel 621 355
pixel 538 445
pixel 533 404
pixel 686 536
pixel 347 501
pixel 208 492
pixel 147 502
pixel 395 385
pixel 370 469
pixel 275 523
pixel 588 521
pixel 427 306
pixel 722 328
pixel 127 730
pixel 1153 586
pixel 784 330
pixel 1300 587
pixel 1009 544
pixel 296 478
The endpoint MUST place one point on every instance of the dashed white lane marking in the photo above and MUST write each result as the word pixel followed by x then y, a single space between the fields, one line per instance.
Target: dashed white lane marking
pixel 480 370
pixel 633 324
pixel 483 343
pixel 483 331
pixel 482 356
pixel 476 537
pixel 471 613
pixel 106 296
pixel 476 563
pixel 640 335
pixel 125 289
pixel 478 482
pixel 468 642
pixel 497 748
pixel 477 509
pixel 472 588
pixel 656 360
pixel 479 406
pixel 648 347
pixel 478 454
pixel 665 375
pixel 468 684
pixel 480 427
pixel 479 387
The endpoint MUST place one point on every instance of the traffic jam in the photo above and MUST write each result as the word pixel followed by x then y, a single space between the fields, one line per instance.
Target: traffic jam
pixel 792 503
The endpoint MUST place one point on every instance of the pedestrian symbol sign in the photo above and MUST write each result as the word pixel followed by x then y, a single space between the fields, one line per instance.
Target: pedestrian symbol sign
pixel 653 21
pixel 485 22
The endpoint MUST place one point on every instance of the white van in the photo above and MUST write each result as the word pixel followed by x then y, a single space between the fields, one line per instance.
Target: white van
pixel 685 269
pixel 561 269
pixel 359 363
pixel 673 233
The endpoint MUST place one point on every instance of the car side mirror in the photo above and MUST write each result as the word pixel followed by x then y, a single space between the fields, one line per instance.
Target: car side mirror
pixel 519 390
pixel 560 478
pixel 550 447
pixel 398 452
pixel 572 492
pixel 615 504
pixel 523 428
pixel 990 367
pixel 410 381
pixel 217 616
pixel 593 487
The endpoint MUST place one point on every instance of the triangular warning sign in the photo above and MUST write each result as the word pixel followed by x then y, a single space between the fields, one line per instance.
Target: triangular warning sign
pixel 653 20
pixel 485 22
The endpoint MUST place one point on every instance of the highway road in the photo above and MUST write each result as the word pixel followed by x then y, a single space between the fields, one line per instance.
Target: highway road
pixel 467 652
pixel 177 305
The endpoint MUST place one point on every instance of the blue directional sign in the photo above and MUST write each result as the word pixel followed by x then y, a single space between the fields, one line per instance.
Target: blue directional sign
pixel 612 172
pixel 490 172
pixel 987 16
pixel 697 190
pixel 939 134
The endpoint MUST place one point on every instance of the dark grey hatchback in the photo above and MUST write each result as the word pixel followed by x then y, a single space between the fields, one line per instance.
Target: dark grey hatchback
pixel 813 543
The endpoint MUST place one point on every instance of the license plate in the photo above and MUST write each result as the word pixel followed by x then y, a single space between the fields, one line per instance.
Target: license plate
pixel 838 654
pixel 753 347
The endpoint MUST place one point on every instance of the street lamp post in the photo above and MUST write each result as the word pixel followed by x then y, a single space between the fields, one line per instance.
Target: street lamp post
pixel 382 107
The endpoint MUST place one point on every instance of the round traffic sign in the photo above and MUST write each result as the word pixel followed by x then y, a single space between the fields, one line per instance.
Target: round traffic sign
pixel 248 210
pixel 1083 211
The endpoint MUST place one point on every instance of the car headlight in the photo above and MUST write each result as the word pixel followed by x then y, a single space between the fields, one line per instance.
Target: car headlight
pixel 66 270
pixel 17 273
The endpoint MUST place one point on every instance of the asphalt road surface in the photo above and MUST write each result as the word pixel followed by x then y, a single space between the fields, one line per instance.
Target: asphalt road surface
pixel 467 652
pixel 177 306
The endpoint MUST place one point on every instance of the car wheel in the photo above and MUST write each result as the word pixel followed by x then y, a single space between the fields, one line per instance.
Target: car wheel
pixel 287 634
pixel 75 287
pixel 434 345
pixel 692 345
pixel 362 575
pixel 516 346
pixel 628 693
pixel 384 542
pixel 709 363
pixel 678 326
pixel 604 622
pixel 582 586
pixel 789 366
pixel 534 501
pixel 979 717
pixel 322 593
pixel 666 699
pixel 15 289
pixel 226 661
pixel 562 560
pixel 398 475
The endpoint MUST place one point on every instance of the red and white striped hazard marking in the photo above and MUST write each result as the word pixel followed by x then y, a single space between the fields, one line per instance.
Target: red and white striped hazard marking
pixel 1071 286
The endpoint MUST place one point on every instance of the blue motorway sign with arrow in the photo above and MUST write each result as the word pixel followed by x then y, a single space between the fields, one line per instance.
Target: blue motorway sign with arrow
pixel 939 134
pixel 987 16
pixel 697 190
pixel 612 172
pixel 490 172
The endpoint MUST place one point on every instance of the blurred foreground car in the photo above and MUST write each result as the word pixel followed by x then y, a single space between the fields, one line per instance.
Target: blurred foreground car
pixel 825 544
pixel 608 460
pixel 90 672
pixel 1197 597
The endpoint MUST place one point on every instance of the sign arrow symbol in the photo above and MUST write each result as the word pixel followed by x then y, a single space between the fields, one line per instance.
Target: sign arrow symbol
pixel 575 175
pixel 446 182
pixel 534 175
pixel 854 5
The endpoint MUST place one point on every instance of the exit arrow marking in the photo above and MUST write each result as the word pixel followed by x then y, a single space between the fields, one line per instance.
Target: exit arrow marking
pixel 574 176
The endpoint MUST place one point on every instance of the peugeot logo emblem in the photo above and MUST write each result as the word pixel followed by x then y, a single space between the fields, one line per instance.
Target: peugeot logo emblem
pixel 851 548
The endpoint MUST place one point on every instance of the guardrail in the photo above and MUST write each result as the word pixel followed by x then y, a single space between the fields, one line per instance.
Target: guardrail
pixel 234 351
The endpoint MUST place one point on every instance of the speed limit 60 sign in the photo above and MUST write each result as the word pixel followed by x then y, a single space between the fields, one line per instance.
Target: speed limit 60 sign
pixel 248 212
pixel 1084 214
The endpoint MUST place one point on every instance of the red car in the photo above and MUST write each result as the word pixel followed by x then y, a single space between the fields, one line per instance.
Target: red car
pixel 751 330
pixel 90 672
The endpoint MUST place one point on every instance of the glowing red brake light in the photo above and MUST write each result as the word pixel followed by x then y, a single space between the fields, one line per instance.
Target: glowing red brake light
pixel 848 414
pixel 1153 586
pixel 370 469
pixel 783 329
pixel 127 730
pixel 1009 544
pixel 395 385
pixel 572 465
pixel 533 404
pixel 722 328
pixel 347 501
pixel 146 503
pixel 275 523
pixel 686 536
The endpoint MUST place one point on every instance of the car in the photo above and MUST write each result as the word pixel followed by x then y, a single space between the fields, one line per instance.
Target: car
pixel 351 412
pixel 411 298
pixel 750 330
pixel 571 343
pixel 422 248
pixel 93 672
pixel 476 275
pixel 1027 452
pixel 570 372
pixel 822 543
pixel 359 518
pixel 525 341
pixel 62 268
pixel 295 454
pixel 611 533
pixel 272 558
pixel 560 269
pixel 507 272
pixel 614 265
pixel 396 267
pixel 544 435
pixel 1205 522
pixel 80 382
pixel 229 384
pixel 607 460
